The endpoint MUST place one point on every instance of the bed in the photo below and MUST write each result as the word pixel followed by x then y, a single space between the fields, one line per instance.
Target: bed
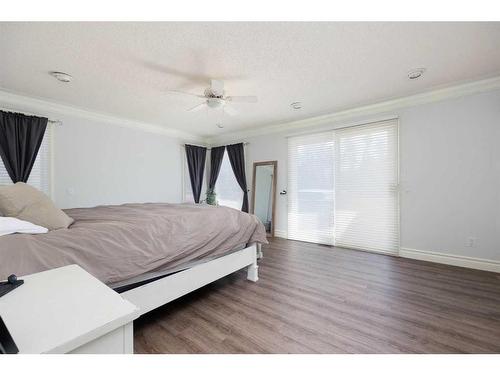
pixel 150 253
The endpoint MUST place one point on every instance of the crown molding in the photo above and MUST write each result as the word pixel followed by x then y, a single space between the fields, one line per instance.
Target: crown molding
pixel 17 102
pixel 41 107
pixel 367 110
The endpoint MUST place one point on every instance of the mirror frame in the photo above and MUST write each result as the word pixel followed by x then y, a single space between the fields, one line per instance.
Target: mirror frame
pixel 274 163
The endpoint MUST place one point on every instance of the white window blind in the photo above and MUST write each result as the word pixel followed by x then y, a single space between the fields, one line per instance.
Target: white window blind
pixel 310 188
pixel 227 189
pixel 366 182
pixel 342 187
pixel 40 176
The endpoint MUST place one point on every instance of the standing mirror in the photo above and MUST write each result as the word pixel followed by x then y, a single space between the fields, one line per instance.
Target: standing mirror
pixel 264 193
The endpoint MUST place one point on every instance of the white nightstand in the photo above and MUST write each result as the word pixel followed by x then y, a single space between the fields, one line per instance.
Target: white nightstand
pixel 67 310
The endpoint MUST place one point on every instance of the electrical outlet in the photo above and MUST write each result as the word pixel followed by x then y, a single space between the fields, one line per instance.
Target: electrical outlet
pixel 471 242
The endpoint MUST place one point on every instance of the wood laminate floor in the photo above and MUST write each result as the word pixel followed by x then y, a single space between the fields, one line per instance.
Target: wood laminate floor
pixel 319 299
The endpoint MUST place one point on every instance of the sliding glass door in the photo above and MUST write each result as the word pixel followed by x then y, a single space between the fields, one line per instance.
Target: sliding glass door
pixel 310 188
pixel 366 178
pixel 343 187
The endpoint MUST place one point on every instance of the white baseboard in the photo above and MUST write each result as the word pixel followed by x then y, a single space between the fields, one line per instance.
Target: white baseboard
pixel 280 233
pixel 436 257
pixel 453 260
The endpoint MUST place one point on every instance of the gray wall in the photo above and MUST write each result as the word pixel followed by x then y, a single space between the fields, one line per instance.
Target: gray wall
pixel 450 174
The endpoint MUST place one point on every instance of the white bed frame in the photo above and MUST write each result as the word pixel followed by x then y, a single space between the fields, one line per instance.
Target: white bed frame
pixel 157 293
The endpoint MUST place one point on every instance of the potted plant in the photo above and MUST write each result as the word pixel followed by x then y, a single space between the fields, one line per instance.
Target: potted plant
pixel 211 197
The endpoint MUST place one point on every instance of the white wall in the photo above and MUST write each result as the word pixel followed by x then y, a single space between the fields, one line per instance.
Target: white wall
pixel 450 174
pixel 101 163
pixel 265 148
pixel 99 159
pixel 449 154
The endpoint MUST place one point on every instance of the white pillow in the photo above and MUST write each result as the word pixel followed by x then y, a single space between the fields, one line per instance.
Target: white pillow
pixel 9 225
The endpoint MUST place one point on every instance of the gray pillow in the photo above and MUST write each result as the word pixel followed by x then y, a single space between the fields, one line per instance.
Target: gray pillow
pixel 29 204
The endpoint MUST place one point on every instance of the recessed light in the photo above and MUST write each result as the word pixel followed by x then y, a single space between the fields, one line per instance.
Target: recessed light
pixel 220 126
pixel 60 76
pixel 416 73
pixel 296 105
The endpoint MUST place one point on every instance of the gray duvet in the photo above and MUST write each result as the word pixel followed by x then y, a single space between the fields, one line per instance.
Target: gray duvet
pixel 116 243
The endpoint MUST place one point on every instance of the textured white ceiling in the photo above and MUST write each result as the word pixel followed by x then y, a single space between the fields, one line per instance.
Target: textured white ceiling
pixel 125 69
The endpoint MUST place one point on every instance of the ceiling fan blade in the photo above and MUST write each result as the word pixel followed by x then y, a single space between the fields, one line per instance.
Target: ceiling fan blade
pixel 230 110
pixel 185 93
pixel 198 107
pixel 217 87
pixel 242 99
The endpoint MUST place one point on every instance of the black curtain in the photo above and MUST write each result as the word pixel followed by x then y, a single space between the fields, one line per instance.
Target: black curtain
pixel 20 140
pixel 237 158
pixel 196 157
pixel 216 156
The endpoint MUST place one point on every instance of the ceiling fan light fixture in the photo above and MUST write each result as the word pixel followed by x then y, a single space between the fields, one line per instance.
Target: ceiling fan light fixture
pixel 214 97
pixel 215 102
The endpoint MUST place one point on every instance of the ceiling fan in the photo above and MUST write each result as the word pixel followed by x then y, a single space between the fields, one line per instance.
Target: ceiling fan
pixel 215 98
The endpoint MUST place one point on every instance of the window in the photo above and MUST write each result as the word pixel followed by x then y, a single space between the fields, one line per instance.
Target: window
pixel 227 189
pixel 343 187
pixel 41 173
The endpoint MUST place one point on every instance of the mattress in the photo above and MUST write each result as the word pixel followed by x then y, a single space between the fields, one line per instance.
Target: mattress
pixel 130 242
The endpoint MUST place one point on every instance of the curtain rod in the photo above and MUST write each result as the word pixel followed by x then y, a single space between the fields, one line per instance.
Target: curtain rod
pixel 209 148
pixel 50 121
